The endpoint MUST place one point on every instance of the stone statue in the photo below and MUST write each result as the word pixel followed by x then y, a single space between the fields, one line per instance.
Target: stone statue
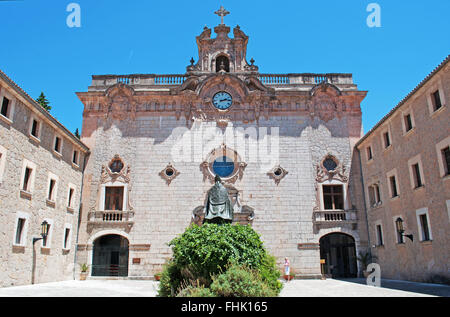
pixel 218 207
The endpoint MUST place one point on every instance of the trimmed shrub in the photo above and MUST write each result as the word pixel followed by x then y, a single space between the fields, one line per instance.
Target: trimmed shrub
pixel 202 252
pixel 239 281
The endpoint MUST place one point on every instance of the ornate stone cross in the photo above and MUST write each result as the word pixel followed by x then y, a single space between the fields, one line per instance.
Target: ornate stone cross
pixel 221 12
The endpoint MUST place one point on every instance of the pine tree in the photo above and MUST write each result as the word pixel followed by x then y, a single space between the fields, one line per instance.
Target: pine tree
pixel 77 134
pixel 42 100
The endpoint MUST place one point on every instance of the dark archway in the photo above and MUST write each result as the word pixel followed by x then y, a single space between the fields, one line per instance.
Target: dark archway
pixel 110 256
pixel 222 63
pixel 339 252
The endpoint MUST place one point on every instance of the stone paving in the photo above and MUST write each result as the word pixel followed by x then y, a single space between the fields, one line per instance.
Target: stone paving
pixel 295 288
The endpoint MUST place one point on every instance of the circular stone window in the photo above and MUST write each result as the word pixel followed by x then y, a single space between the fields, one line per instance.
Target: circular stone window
pixel 330 164
pixel 223 166
pixel 169 172
pixel 116 166
pixel 278 171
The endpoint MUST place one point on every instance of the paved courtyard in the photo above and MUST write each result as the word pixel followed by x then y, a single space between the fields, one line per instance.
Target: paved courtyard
pixel 296 288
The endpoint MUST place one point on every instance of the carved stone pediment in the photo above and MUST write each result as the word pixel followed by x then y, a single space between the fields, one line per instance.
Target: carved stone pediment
pixel 120 104
pixel 330 168
pixel 111 173
pixel 325 102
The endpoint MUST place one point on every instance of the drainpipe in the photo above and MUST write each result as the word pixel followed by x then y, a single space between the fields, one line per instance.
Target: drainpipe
pixel 364 202
pixel 79 215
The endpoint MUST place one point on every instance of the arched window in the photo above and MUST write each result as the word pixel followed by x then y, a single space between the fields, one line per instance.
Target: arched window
pixel 222 63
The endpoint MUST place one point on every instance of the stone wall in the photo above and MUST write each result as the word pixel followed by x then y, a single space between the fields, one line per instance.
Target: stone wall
pixel 416 260
pixel 283 212
pixel 16 261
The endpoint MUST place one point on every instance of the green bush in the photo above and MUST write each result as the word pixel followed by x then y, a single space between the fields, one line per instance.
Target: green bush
pixel 202 252
pixel 239 281
pixel 196 291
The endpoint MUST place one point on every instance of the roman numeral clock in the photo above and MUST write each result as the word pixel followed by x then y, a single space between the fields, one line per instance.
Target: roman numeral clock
pixel 222 100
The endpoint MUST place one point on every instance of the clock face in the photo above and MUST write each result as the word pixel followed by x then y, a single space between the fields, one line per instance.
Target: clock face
pixel 222 100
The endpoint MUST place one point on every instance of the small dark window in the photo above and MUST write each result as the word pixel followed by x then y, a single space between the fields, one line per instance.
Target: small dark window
pixel 408 122
pixel 26 179
pixel 393 186
pixel 436 100
pixel 425 229
pixel 66 237
pixel 446 159
pixel 51 189
pixel 387 139
pixel 20 226
pixel 5 106
pixel 369 153
pixel 417 178
pixel 222 63
pixel 58 144
pixel 75 157
pixel 35 128
pixel 379 235
pixel 70 197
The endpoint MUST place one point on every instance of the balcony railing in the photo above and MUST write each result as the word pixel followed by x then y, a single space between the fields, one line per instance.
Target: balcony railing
pixel 266 79
pixel 110 216
pixel 335 216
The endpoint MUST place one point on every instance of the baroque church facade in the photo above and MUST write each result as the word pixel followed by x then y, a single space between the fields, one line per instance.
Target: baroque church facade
pixel 282 144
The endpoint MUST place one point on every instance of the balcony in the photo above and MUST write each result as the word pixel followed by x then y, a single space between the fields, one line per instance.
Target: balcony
pixel 110 218
pixel 335 218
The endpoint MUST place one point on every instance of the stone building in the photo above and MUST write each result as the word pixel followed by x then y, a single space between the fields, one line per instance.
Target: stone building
pixel 405 163
pixel 41 166
pixel 282 143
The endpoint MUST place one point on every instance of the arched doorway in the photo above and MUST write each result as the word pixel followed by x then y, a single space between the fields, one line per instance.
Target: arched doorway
pixel 110 256
pixel 339 252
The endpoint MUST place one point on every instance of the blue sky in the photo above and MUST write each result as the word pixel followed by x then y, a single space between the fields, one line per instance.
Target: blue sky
pixel 41 53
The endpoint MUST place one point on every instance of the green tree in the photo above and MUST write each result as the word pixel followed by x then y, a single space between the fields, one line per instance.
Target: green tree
pixel 77 134
pixel 42 100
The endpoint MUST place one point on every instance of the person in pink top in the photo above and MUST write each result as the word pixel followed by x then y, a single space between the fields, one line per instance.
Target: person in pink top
pixel 287 268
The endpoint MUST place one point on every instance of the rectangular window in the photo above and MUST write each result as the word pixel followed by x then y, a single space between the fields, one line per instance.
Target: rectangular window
pixel 379 235
pixel 387 140
pixel 26 179
pixel 51 189
pixel 69 203
pixel 436 100
pixel 35 129
pixel 66 238
pixel 19 230
pixel 75 157
pixel 114 198
pixel 333 197
pixel 446 159
pixel 408 122
pixel 393 184
pixel 417 177
pixel 424 227
pixel 5 107
pixel 57 144
pixel 369 153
